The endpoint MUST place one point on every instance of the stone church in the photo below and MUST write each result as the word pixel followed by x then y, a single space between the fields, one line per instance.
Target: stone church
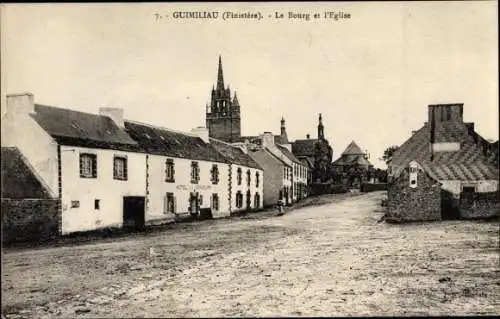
pixel 223 114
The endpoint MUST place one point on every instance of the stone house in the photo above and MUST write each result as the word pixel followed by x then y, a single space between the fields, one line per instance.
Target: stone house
pixel 414 196
pixel 452 153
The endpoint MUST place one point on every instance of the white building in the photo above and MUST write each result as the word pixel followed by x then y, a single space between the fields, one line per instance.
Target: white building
pixel 186 175
pixel 87 161
pixel 246 183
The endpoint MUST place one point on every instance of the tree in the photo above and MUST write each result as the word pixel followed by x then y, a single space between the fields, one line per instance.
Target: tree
pixel 389 152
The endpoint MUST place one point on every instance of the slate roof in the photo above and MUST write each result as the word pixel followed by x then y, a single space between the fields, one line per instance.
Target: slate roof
pixel 74 128
pixel 307 161
pixel 468 163
pixel 18 179
pixel 289 154
pixel 353 149
pixel 304 147
pixel 233 154
pixel 161 141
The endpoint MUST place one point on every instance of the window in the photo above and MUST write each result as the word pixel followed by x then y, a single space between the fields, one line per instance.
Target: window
pixel 169 171
pixel 75 203
pixel 200 200
pixel 248 178
pixel 469 189
pixel 88 165
pixel 120 168
pixel 169 203
pixel 239 199
pixel 257 179
pixel 215 201
pixel 195 173
pixel 97 204
pixel 256 200
pixel 214 173
pixel 238 176
pixel 249 199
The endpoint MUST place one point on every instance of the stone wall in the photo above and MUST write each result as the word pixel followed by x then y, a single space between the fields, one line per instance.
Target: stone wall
pixel 479 205
pixel 29 219
pixel 413 204
pixel 327 188
pixel 372 187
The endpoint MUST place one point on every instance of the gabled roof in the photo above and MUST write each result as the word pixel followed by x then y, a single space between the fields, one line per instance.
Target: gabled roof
pixel 74 128
pixel 233 154
pixel 161 141
pixel 276 157
pixel 353 149
pixel 289 154
pixel 468 163
pixel 304 147
pixel 18 179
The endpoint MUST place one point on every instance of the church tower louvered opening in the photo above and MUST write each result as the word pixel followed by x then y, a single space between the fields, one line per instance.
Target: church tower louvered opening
pixel 223 114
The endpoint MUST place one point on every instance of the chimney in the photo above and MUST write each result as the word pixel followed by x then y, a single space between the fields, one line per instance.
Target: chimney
pixel 267 140
pixel 116 114
pixel 308 136
pixel 20 103
pixel 202 133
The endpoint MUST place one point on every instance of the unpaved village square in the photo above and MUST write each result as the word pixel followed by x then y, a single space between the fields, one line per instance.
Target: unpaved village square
pixel 334 259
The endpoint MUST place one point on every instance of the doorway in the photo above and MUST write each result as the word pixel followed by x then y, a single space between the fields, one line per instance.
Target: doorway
pixel 133 211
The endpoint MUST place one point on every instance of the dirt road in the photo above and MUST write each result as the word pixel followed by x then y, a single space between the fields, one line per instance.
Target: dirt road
pixel 327 260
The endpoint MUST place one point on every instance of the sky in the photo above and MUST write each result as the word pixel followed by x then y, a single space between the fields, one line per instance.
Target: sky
pixel 371 76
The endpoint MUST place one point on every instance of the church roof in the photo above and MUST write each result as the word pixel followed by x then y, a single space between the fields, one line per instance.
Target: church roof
pixel 233 154
pixel 74 128
pixel 352 159
pixel 353 149
pixel 18 179
pixel 165 142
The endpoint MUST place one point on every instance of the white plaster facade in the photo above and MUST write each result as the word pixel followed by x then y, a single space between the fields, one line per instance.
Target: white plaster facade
pixel 181 188
pixel 79 194
pixel 246 187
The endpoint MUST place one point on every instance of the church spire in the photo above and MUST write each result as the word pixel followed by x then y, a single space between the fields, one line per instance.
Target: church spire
pixel 220 76
pixel 321 133
pixel 235 100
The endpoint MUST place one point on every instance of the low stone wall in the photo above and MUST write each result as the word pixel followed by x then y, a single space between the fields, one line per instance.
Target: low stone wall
pixel 372 187
pixel 29 219
pixel 320 189
pixel 479 205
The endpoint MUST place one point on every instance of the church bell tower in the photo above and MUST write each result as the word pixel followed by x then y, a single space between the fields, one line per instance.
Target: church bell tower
pixel 223 114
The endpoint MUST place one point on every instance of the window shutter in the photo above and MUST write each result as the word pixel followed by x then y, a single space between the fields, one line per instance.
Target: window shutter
pixel 125 169
pixel 175 205
pixel 94 166
pixel 81 165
